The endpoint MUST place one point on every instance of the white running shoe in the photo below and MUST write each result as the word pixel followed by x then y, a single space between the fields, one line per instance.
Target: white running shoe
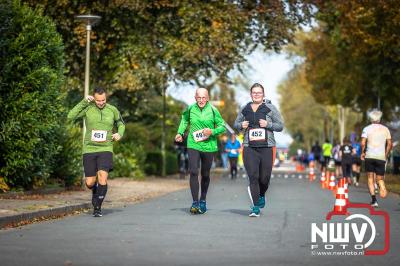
pixel 374 204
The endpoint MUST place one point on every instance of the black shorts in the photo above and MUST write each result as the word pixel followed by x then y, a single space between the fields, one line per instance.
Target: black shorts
pixel 93 162
pixel 325 161
pixel 346 168
pixel 338 163
pixel 357 160
pixel 375 166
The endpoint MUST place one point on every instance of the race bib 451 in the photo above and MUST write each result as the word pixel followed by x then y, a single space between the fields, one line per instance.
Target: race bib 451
pixel 99 135
pixel 257 134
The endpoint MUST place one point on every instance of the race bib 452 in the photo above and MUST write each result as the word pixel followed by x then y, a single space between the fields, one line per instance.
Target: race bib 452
pixel 257 134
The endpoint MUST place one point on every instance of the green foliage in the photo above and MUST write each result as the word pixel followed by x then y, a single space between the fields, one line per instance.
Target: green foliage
pixel 138 46
pixel 130 153
pixel 31 67
pixel 188 39
pixel 128 160
pixel 354 56
pixel 303 116
pixel 154 161
pixel 230 108
pixel 68 162
pixel 306 119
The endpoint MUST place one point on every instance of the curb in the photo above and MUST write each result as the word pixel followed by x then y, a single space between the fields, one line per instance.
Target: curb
pixel 15 195
pixel 15 220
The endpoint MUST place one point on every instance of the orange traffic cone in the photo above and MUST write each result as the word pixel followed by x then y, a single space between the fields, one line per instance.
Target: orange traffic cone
pixel 327 179
pixel 346 191
pixel 322 180
pixel 340 201
pixel 311 176
pixel 332 182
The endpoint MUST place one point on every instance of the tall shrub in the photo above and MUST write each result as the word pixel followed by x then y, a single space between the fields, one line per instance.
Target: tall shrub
pixel 31 67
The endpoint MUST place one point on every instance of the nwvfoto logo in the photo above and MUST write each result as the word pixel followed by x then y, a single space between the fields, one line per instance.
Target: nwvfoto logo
pixel 340 232
pixel 350 235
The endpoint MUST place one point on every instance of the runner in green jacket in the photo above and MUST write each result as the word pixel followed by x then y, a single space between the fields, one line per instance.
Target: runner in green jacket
pixel 205 124
pixel 100 119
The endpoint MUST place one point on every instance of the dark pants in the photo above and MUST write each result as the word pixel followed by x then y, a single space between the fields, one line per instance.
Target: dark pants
pixel 258 164
pixel 206 158
pixel 233 163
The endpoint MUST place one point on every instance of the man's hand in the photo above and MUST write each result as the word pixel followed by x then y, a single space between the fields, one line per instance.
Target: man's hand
pixel 178 138
pixel 245 124
pixel 90 98
pixel 116 137
pixel 263 123
pixel 207 132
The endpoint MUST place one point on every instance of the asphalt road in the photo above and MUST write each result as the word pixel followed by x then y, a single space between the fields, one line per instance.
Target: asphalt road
pixel 162 232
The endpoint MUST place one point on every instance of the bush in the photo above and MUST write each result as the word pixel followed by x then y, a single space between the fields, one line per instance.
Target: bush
pixel 128 160
pixel 172 163
pixel 31 67
pixel 154 163
pixel 68 162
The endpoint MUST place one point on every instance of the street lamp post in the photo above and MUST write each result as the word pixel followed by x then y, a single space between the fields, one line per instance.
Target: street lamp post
pixel 90 20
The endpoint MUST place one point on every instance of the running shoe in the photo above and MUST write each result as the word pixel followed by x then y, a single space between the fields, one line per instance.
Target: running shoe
pixel 374 204
pixel 261 202
pixel 202 207
pixel 255 212
pixel 194 209
pixel 97 212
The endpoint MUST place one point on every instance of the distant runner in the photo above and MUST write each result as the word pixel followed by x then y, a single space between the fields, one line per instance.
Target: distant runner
pixel 346 153
pixel 232 148
pixel 327 153
pixel 356 168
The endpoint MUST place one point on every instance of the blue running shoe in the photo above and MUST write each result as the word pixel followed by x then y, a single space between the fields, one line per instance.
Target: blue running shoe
pixel 261 202
pixel 255 212
pixel 194 209
pixel 202 207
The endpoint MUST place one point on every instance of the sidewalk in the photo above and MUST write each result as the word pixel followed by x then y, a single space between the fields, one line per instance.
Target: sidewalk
pixel 24 209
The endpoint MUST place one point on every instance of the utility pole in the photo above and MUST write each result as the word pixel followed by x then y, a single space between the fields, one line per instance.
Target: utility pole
pixel 342 122
pixel 163 133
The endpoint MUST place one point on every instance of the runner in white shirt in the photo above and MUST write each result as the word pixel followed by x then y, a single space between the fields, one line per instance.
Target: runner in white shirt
pixel 376 143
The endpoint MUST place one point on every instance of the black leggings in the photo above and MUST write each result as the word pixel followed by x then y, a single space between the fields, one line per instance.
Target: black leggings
pixel 233 164
pixel 258 164
pixel 206 159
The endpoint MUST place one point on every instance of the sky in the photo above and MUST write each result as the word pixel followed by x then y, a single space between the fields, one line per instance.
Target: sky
pixel 268 69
